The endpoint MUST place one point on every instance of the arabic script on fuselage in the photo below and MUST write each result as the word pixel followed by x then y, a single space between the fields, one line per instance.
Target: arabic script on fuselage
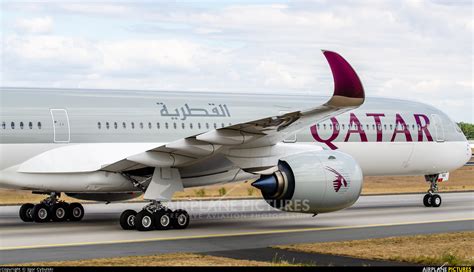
pixel 185 111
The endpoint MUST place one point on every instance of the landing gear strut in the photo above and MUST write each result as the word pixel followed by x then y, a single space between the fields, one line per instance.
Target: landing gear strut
pixel 431 199
pixel 154 216
pixel 51 209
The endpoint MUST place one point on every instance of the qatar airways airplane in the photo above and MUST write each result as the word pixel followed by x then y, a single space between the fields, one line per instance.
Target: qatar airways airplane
pixel 306 153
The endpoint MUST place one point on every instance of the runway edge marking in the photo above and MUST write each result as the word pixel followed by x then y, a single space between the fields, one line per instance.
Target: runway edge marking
pixel 231 234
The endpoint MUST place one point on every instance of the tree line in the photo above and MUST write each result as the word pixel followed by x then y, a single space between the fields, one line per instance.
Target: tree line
pixel 467 129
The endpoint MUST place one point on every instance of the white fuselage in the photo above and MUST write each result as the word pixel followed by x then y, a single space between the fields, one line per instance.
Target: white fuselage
pixel 385 136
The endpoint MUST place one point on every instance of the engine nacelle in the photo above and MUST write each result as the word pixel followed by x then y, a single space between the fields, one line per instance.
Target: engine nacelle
pixel 313 182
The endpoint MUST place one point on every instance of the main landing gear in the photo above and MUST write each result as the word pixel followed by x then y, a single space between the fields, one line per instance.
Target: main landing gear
pixel 51 209
pixel 431 199
pixel 154 216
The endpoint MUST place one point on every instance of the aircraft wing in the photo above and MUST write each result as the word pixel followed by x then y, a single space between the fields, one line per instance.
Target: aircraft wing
pixel 348 94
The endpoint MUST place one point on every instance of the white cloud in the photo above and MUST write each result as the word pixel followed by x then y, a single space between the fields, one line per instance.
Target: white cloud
pixel 40 51
pixel 38 25
pixel 133 55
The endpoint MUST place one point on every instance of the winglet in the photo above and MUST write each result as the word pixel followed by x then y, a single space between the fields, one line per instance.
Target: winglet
pixel 348 89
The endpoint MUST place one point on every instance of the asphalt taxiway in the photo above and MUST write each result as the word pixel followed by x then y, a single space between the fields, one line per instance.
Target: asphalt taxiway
pixel 227 225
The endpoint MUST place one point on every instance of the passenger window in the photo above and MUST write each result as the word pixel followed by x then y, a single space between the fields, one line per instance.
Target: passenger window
pixel 39 125
pixel 215 125
pixel 324 126
pixel 141 125
pixel 191 125
pixel 149 125
pixel 199 125
pixel 230 124
pixel 343 126
pixel 98 125
pixel 115 125
pixel 107 125
pixel 133 125
pixel 30 125
pixel 21 125
pixel 207 125
pixel 175 126
pixel 166 125
pixel 385 127
pixel 182 125
pixel 158 125
pixel 4 126
pixel 12 125
pixel 317 126
pixel 222 125
pixel 124 125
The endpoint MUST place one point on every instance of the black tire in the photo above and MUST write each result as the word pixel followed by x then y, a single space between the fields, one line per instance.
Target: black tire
pixel 144 221
pixel 163 220
pixel 180 219
pixel 436 201
pixel 75 212
pixel 59 212
pixel 26 212
pixel 127 219
pixel 427 200
pixel 41 213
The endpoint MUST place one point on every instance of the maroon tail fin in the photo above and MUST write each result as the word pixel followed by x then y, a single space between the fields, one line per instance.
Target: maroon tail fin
pixel 346 81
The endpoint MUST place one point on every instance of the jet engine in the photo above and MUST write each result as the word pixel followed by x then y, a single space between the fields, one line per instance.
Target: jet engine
pixel 313 182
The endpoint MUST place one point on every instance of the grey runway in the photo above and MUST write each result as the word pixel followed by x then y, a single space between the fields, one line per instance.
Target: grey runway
pixel 227 225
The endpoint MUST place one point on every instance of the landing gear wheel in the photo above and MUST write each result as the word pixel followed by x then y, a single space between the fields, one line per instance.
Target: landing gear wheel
pixel 41 213
pixel 435 200
pixel 26 212
pixel 75 212
pixel 162 220
pixel 127 219
pixel 144 221
pixel 180 219
pixel 59 212
pixel 427 200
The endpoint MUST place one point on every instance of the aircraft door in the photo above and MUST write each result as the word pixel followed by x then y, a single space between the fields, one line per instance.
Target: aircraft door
pixel 60 125
pixel 438 126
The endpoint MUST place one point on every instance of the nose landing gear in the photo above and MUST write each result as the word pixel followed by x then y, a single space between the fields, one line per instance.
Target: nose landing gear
pixel 154 216
pixel 431 199
pixel 51 209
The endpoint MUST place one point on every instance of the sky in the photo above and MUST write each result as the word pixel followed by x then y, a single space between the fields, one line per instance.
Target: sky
pixel 415 50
